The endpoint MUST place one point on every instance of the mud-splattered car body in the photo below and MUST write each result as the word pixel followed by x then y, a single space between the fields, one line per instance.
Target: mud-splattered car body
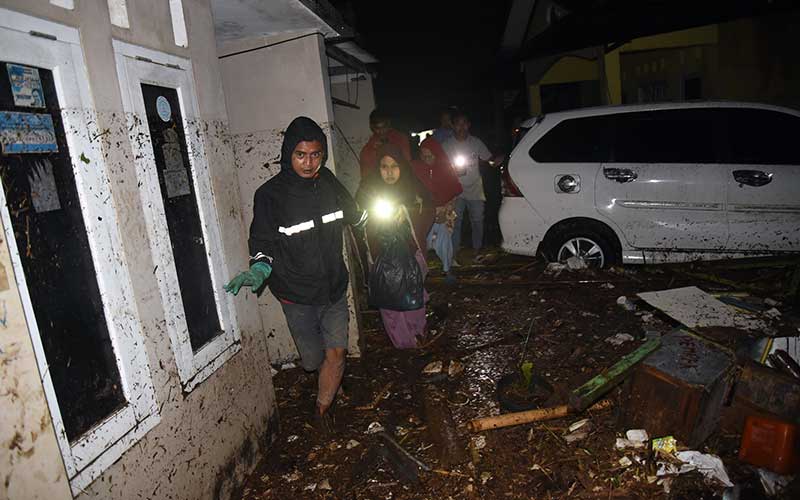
pixel 656 183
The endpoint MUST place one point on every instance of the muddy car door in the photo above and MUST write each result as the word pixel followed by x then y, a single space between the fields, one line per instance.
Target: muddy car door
pixel 763 175
pixel 663 188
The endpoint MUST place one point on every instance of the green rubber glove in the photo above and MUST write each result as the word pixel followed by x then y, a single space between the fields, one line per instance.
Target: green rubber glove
pixel 254 278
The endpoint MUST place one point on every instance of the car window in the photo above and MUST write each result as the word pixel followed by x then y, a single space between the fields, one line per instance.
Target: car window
pixel 759 136
pixel 673 136
pixel 575 140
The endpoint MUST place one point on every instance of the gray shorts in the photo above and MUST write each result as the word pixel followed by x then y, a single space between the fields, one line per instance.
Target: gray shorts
pixel 316 328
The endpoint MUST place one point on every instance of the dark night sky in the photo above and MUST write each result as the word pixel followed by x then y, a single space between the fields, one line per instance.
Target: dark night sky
pixel 433 53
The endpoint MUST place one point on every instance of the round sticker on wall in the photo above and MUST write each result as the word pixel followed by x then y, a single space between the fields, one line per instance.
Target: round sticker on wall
pixel 163 108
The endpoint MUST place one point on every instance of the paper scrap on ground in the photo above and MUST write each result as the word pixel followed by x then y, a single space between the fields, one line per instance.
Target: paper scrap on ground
pixel 710 466
pixel 697 309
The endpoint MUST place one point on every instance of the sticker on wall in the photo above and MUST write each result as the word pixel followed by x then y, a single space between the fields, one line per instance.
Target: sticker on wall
pixel 44 193
pixel 176 179
pixel 163 108
pixel 27 133
pixel 26 86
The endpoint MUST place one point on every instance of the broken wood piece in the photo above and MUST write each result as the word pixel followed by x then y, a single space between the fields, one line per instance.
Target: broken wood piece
pixel 789 365
pixel 380 396
pixel 526 417
pixel 592 390
pixel 441 429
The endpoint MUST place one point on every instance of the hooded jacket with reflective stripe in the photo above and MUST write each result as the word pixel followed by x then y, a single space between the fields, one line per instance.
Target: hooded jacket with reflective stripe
pixel 297 226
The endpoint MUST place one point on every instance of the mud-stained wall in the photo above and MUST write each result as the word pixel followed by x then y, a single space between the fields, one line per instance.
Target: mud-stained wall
pixel 209 438
pixel 268 82
pixel 352 131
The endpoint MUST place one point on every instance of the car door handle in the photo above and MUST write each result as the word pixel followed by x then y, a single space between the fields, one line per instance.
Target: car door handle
pixel 755 178
pixel 620 174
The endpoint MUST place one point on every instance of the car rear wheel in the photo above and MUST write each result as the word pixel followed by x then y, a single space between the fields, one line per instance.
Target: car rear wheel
pixel 591 245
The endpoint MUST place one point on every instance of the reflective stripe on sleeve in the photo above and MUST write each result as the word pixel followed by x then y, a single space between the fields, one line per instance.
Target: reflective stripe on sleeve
pixel 303 226
pixel 332 216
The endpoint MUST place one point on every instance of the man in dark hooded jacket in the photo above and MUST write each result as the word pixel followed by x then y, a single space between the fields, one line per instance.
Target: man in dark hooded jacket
pixel 296 242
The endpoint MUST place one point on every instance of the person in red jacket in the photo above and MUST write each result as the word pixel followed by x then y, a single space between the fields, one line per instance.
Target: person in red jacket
pixel 382 134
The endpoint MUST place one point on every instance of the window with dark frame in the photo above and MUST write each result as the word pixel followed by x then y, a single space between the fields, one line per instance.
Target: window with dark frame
pixel 760 137
pixel 50 233
pixel 668 136
pixel 165 123
pixel 577 140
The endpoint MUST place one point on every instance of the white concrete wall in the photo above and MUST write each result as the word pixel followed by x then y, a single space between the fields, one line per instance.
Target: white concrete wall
pixel 208 439
pixel 268 82
pixel 352 131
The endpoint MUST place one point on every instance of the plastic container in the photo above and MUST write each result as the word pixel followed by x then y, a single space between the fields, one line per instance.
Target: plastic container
pixel 770 443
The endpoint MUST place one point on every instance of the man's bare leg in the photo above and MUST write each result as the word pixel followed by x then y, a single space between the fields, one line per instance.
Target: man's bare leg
pixel 330 378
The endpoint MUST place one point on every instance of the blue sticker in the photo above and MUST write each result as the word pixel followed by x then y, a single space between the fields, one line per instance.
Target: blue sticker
pixel 26 86
pixel 27 133
pixel 163 108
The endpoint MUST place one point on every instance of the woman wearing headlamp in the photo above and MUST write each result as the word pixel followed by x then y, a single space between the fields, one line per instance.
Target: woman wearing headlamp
pixel 389 193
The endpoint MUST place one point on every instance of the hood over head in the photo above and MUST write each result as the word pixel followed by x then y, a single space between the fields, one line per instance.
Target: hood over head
pixel 301 129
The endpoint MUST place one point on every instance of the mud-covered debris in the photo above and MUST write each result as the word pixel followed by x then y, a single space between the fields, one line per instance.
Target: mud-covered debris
pixel 771 302
pixel 292 438
pixel 772 313
pixel 626 303
pixel 273 371
pixel 374 428
pixel 625 462
pixel 455 368
pixel 479 442
pixel 352 444
pixel 290 478
pixel 710 466
pixel 288 366
pixel 554 268
pixel 637 435
pixel 433 367
pixel 310 487
pixel 647 317
pixel 773 483
pixel 486 477
pixel 578 435
pixel 324 485
pixel 607 286
pixel 619 338
pixel 575 263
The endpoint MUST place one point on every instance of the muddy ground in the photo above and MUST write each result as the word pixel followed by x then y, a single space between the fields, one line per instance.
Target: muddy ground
pixel 482 323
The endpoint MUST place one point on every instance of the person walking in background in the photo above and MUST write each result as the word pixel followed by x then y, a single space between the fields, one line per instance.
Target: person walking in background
pixel 466 153
pixel 436 173
pixel 382 134
pixel 394 184
pixel 445 130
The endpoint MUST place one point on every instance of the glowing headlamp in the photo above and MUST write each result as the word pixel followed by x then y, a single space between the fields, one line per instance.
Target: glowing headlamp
pixel 460 161
pixel 384 209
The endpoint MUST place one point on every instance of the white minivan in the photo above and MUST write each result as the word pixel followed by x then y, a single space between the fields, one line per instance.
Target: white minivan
pixel 655 183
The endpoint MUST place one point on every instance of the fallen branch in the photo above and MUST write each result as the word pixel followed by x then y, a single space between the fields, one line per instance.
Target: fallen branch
pixel 526 417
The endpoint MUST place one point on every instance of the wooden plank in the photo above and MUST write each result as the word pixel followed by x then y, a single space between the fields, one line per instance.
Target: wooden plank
pixel 582 397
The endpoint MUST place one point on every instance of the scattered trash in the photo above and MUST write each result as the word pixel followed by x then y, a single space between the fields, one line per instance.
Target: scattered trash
pixel 455 368
pixel 637 436
pixel 625 462
pixel 292 438
pixel 619 339
pixel 578 435
pixel 773 483
pixel 485 477
pixel 374 428
pixel 433 368
pixel 479 442
pixel 708 465
pixel 352 444
pixel 273 371
pixel 647 317
pixel 772 313
pixel 324 485
pixel 577 425
pixel 607 286
pixel 666 444
pixel 288 366
pixel 626 303
pixel 781 360
pixel 310 487
pixel 770 302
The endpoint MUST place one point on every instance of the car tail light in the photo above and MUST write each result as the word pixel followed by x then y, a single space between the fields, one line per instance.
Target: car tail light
pixel 510 190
